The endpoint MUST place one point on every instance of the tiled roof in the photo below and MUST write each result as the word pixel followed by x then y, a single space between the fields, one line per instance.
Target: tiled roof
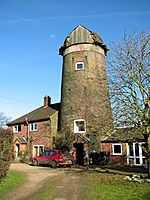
pixel 125 134
pixel 38 114
pixel 21 139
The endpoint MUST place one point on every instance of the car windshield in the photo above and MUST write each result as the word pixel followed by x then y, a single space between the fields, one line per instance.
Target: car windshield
pixel 49 153
pixel 52 153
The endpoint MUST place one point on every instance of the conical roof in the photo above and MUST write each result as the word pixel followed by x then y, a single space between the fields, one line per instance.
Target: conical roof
pixel 82 35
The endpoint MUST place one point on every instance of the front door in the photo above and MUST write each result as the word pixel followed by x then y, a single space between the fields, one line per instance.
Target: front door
pixel 135 153
pixel 17 151
pixel 79 153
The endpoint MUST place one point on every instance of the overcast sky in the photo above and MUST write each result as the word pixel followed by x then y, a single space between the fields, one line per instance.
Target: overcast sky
pixel 32 31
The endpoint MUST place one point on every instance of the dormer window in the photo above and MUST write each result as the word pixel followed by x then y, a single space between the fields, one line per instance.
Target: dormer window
pixel 79 66
pixel 79 126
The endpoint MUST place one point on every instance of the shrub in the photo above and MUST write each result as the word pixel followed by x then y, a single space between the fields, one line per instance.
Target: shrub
pixel 5 151
pixel 24 157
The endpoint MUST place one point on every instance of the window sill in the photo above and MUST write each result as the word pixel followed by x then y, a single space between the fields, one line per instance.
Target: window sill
pixel 79 132
pixel 117 154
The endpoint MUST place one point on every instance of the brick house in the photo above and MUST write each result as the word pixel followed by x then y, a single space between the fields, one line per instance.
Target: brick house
pixel 125 146
pixel 35 131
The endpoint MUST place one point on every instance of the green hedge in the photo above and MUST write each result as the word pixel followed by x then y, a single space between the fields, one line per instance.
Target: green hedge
pixel 5 151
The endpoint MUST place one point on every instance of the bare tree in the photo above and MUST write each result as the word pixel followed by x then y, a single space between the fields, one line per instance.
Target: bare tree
pixel 3 120
pixel 129 79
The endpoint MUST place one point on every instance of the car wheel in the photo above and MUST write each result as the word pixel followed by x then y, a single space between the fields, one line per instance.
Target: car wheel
pixel 35 163
pixel 54 164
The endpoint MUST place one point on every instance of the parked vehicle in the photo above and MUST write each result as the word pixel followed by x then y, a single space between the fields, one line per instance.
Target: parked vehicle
pixel 54 158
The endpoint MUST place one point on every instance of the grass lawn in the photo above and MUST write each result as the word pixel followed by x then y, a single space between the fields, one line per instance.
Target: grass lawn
pixel 104 186
pixel 11 182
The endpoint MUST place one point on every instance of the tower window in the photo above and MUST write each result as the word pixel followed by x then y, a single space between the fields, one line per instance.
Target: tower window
pixel 79 66
pixel 79 126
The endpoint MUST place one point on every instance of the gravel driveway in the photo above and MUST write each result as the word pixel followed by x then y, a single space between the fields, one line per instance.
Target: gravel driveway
pixel 68 187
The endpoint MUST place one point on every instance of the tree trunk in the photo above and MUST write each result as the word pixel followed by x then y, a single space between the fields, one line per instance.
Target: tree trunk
pixel 147 141
pixel 148 156
pixel 148 167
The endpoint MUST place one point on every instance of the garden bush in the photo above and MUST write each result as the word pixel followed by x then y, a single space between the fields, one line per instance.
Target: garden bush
pixel 5 151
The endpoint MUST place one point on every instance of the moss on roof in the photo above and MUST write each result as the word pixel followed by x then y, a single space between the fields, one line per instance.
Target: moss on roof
pixel 39 114
pixel 125 135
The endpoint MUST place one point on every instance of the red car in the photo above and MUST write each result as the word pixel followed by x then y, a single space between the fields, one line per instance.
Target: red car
pixel 54 158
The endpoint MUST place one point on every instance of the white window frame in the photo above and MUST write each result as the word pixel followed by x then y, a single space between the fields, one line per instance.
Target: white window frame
pixel 113 152
pixel 35 127
pixel 16 129
pixel 140 156
pixel 79 63
pixel 38 149
pixel 76 130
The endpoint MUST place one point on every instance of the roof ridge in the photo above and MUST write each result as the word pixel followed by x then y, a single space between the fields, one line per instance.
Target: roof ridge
pixel 37 114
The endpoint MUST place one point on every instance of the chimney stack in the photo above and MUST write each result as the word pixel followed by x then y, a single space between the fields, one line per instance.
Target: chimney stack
pixel 47 101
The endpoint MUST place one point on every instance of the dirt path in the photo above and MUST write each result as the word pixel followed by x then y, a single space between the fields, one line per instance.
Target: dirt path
pixel 68 187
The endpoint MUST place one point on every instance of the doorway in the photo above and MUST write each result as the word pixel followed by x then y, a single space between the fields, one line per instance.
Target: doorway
pixel 79 153
pixel 17 151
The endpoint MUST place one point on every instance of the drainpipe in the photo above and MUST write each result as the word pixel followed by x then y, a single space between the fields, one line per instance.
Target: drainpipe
pixel 28 139
pixel 50 133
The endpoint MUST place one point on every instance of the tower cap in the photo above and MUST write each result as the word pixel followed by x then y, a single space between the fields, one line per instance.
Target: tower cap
pixel 82 35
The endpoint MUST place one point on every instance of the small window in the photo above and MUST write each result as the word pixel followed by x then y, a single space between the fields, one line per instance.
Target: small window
pixel 79 126
pixel 16 128
pixel 117 149
pixel 79 66
pixel 33 127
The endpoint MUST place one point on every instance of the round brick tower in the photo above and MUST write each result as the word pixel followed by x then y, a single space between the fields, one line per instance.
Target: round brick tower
pixel 85 103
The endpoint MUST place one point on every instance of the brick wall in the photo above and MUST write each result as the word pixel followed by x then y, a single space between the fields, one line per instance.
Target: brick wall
pixel 116 159
pixel 43 136
pixel 84 93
